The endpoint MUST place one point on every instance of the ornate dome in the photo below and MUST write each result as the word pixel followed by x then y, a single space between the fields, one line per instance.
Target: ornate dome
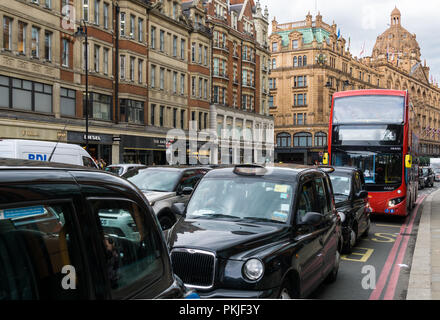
pixel 397 40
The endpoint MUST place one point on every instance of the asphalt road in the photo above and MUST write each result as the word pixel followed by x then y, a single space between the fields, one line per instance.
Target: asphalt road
pixel 380 265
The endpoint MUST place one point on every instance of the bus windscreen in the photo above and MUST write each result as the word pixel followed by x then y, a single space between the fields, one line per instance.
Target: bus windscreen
pixel 369 109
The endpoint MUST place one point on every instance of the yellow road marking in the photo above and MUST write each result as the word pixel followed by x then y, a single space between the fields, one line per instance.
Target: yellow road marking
pixel 364 255
pixel 386 237
pixel 388 225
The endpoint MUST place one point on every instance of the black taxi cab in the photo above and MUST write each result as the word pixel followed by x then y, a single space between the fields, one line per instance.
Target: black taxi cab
pixel 257 232
pixel 57 241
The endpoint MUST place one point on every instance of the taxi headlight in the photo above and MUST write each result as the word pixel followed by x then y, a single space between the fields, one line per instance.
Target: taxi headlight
pixel 253 269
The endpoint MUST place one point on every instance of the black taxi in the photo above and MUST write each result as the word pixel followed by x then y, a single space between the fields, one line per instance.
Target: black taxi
pixel 257 232
pixel 351 198
pixel 71 232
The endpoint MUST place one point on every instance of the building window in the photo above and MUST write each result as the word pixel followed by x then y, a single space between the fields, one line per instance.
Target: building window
pixel 216 94
pixel 86 10
pixel 205 90
pixel 48 46
pixel 305 61
pixel 193 86
pixel 162 79
pixel 182 49
pixel 65 53
pixel 140 71
pixel 161 116
pixel 96 13
pixel 174 46
pixel 284 140
pixel 271 105
pixel 122 23
pixel 100 106
pixel 106 17
pixel 152 114
pixel 274 46
pixel 132 66
pixel 320 139
pixel 106 52
pixel 162 41
pixel 35 43
pixel 96 58
pixel 182 84
pixel 274 64
pixel 153 38
pixel 300 81
pixel 132 25
pixel 140 30
pixel 174 118
pixel 294 44
pixel 153 76
pixel 67 102
pixel 134 110
pixel 175 82
pixel 22 30
pixel 182 119
pixel 122 67
pixel 303 139
pixel 300 99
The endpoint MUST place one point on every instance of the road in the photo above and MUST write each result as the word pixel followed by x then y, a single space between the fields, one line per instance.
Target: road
pixel 379 267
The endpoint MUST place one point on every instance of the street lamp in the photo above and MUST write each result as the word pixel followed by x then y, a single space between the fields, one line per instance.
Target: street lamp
pixel 82 32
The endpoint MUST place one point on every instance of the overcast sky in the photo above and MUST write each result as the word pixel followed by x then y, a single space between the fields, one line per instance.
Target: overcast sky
pixel 364 20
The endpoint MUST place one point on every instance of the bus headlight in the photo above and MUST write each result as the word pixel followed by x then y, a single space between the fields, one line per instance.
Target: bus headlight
pixel 395 202
pixel 253 269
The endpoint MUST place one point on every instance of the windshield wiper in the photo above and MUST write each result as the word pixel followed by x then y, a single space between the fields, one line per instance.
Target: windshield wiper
pixel 217 215
pixel 262 220
pixel 340 194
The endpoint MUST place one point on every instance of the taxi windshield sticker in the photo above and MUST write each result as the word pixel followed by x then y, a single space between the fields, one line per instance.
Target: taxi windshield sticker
pixel 22 212
pixel 282 188
pixel 279 216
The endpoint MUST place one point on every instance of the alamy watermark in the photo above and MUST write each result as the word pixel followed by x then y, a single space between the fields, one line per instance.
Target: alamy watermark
pixel 226 146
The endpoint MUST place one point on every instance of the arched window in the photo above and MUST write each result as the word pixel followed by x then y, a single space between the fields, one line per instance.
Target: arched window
pixel 302 139
pixel 284 140
pixel 300 61
pixel 274 64
pixel 320 139
pixel 295 61
pixel 305 61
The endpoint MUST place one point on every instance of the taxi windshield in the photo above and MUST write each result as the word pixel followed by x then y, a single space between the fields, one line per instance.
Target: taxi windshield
pixel 242 198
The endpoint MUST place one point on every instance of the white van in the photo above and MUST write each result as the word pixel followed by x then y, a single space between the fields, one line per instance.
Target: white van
pixel 41 151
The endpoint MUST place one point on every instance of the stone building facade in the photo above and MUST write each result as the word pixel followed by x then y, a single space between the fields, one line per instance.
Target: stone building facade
pixel 150 69
pixel 309 62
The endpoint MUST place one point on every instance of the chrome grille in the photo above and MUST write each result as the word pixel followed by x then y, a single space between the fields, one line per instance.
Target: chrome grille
pixel 196 268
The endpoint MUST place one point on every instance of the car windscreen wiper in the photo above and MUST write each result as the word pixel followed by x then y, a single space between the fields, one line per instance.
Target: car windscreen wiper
pixel 262 220
pixel 217 215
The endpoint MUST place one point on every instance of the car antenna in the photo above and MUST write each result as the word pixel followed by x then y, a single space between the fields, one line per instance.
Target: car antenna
pixel 59 137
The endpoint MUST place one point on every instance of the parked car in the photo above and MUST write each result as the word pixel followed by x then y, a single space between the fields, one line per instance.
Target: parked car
pixel 428 176
pixel 55 242
pixel 46 151
pixel 256 232
pixel 351 199
pixel 121 169
pixel 421 179
pixel 164 186
pixel 437 174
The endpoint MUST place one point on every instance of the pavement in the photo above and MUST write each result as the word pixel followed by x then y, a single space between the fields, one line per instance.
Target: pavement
pixel 424 281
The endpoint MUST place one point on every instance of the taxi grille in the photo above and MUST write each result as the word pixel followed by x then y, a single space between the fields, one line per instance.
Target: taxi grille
pixel 194 267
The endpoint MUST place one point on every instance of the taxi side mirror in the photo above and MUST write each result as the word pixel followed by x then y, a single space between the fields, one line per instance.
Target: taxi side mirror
pixel 408 161
pixel 325 158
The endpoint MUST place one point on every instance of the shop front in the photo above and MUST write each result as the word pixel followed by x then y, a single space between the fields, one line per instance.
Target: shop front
pixel 143 150
pixel 100 145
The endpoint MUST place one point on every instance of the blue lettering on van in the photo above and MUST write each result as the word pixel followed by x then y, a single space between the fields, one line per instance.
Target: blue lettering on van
pixel 38 157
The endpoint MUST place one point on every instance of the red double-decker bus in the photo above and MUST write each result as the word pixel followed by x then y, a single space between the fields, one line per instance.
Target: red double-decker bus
pixel 371 130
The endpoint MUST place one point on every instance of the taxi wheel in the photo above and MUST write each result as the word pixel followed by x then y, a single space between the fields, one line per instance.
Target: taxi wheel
pixel 348 248
pixel 287 292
